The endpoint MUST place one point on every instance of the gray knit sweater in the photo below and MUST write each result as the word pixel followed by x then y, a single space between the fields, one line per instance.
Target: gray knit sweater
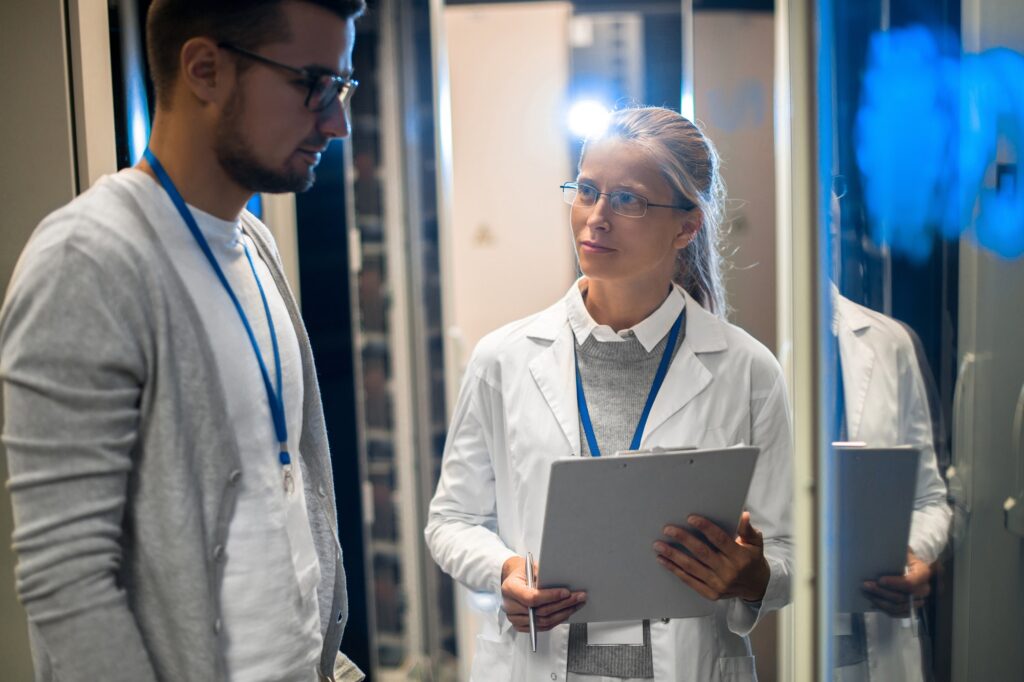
pixel 122 479
pixel 617 378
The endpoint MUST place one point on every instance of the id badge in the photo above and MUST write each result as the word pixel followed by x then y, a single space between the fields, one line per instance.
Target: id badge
pixel 300 538
pixel 616 633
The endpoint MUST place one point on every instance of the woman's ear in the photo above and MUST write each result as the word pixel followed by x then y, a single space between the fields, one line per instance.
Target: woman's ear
pixel 688 228
pixel 205 70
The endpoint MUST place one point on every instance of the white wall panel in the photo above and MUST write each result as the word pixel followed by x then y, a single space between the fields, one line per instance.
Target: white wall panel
pixel 510 244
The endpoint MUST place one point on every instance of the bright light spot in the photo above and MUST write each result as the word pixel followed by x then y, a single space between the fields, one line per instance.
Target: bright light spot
pixel 139 134
pixel 138 115
pixel 930 123
pixel 588 118
pixel 686 109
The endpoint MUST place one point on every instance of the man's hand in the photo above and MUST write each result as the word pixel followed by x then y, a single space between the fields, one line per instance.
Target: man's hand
pixel 893 593
pixel 721 567
pixel 551 607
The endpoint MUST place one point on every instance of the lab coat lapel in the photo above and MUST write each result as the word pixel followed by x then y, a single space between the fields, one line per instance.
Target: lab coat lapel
pixel 858 362
pixel 555 373
pixel 687 376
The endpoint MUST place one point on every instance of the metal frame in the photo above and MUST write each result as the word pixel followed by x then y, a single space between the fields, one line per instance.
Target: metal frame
pixel 796 154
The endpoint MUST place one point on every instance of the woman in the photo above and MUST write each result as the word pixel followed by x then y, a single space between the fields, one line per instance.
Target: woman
pixel 645 215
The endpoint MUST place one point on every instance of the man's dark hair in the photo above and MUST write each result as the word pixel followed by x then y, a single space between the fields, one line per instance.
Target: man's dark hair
pixel 245 23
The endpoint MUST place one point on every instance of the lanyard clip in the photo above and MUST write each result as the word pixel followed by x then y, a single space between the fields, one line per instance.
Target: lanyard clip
pixel 286 467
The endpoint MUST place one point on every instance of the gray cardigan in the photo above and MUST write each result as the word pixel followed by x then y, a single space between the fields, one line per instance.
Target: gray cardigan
pixel 122 479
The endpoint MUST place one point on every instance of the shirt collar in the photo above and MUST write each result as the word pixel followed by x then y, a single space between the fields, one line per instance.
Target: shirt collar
pixel 649 332
pixel 218 232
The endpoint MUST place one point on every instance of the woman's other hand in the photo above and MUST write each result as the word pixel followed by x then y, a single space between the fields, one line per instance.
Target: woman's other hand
pixel 721 567
pixel 551 606
pixel 893 593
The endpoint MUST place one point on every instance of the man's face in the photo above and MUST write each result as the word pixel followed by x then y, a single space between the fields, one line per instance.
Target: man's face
pixel 267 140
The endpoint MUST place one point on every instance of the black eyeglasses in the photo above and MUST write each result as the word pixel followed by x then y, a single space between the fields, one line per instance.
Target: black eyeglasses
pixel 624 203
pixel 323 86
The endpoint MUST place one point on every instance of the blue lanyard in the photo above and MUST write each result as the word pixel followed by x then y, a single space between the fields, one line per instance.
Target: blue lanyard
pixel 275 397
pixel 659 379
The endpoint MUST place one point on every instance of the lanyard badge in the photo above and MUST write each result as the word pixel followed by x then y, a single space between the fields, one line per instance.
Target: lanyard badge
pixel 275 396
pixel 659 379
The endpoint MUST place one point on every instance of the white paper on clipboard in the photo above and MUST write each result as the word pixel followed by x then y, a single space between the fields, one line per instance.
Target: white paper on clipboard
pixel 604 513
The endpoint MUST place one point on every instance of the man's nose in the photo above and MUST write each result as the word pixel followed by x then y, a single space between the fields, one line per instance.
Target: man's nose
pixel 334 121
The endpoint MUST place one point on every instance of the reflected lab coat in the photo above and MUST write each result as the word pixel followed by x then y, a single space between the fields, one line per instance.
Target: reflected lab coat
pixel 517 413
pixel 886 405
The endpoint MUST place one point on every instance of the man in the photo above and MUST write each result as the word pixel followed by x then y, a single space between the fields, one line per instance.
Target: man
pixel 169 468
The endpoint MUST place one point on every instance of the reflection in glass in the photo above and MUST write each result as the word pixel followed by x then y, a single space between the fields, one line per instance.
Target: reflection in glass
pixel 923 277
pixel 882 402
pixel 929 124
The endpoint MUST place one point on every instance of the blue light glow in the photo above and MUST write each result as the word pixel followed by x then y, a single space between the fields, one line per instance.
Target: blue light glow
pixel 928 127
pixel 138 112
pixel 588 118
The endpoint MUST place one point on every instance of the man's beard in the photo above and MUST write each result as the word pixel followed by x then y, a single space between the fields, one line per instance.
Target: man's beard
pixel 233 153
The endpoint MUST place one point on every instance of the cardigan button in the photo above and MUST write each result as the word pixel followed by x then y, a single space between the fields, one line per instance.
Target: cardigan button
pixel 235 476
pixel 218 553
pixel 217 626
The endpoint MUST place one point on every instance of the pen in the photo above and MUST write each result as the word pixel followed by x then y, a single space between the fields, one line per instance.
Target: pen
pixel 530 582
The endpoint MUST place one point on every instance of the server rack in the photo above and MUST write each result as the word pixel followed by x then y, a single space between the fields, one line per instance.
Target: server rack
pixel 398 341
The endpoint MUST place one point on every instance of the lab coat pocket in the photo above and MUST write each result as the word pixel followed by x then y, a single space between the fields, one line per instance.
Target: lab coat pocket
pixel 737 669
pixel 492 660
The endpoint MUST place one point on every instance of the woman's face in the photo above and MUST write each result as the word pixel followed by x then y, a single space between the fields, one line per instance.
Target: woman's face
pixel 622 249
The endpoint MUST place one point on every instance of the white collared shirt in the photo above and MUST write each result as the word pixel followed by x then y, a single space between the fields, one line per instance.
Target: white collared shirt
pixel 649 332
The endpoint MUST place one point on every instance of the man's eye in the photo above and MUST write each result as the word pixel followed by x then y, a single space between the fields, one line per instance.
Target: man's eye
pixel 586 193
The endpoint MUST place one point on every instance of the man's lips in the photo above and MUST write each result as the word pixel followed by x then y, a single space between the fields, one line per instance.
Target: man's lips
pixel 311 155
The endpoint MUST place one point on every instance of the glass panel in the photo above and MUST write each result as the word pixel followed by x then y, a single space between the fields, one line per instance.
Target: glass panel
pixel 921 116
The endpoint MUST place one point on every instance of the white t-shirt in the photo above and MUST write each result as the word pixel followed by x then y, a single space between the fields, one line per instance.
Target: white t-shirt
pixel 269 609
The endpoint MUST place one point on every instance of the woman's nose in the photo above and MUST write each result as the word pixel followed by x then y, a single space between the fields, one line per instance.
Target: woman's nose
pixel 600 212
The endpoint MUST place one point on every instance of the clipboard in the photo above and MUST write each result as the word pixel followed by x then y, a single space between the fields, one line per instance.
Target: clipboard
pixel 876 491
pixel 604 513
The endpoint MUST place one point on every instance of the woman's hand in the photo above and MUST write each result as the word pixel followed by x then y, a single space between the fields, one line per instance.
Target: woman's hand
pixel 723 566
pixel 893 593
pixel 551 607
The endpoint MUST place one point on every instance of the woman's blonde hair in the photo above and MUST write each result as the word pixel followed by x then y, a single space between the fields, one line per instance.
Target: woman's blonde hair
pixel 689 163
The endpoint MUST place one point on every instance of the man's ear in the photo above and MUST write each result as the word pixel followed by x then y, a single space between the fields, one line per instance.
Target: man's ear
pixel 206 70
pixel 689 226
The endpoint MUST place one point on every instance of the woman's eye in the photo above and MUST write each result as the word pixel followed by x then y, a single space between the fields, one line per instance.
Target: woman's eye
pixel 587 193
pixel 627 199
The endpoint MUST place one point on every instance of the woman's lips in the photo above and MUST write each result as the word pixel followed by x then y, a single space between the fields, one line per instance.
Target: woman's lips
pixel 592 247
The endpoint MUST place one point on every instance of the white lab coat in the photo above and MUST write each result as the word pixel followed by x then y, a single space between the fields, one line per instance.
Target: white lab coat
pixel 886 404
pixel 517 414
